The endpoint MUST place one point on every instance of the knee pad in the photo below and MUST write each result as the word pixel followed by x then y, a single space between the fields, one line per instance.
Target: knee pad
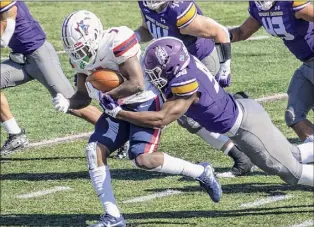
pixel 290 116
pixel 91 155
pixel 189 124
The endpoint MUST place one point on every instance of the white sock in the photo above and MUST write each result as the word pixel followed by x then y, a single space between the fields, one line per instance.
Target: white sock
pixel 178 166
pixel 307 152
pixel 214 139
pixel 309 139
pixel 11 126
pixel 307 177
pixel 101 180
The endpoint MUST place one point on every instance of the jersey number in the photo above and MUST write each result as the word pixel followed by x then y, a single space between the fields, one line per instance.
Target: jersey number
pixel 203 68
pixel 276 27
pixel 156 31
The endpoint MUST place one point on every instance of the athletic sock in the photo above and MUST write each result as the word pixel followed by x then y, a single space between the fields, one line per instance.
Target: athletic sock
pixel 11 126
pixel 307 176
pixel 306 152
pixel 179 166
pixel 101 180
pixel 214 139
pixel 237 155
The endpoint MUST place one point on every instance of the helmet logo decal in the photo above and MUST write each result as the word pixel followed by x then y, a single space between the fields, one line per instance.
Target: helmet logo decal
pixel 161 55
pixel 82 28
pixel 181 57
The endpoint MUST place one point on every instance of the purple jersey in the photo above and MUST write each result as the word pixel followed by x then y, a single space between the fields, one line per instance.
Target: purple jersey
pixel 28 35
pixel 216 110
pixel 170 20
pixel 280 20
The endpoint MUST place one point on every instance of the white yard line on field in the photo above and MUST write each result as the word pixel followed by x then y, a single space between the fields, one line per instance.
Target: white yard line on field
pixel 43 192
pixel 274 97
pixel 270 199
pixel 153 196
pixel 304 224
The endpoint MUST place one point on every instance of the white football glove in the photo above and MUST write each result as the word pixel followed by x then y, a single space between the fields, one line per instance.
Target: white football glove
pixel 223 77
pixel 92 92
pixel 60 103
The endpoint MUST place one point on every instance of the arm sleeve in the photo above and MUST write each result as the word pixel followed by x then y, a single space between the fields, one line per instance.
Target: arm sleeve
pixel 298 5
pixel 186 13
pixel 125 45
pixel 184 86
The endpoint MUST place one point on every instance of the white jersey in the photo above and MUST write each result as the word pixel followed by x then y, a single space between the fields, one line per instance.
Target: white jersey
pixel 116 46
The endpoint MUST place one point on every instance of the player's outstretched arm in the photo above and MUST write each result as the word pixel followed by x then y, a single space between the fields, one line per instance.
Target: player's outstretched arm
pixel 81 98
pixel 171 111
pixel 134 79
pixel 205 27
pixel 244 31
pixel 142 33
pixel 7 25
pixel 306 13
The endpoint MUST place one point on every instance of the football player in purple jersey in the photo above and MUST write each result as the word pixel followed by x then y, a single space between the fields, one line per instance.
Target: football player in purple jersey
pixel 190 89
pixel 185 21
pixel 32 57
pixel 293 22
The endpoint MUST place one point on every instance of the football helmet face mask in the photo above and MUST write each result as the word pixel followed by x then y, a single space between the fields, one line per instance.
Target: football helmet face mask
pixel 264 5
pixel 164 59
pixel 81 34
pixel 154 4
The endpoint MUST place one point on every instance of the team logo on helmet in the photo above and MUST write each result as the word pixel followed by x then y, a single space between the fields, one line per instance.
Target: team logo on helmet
pixel 161 55
pixel 82 28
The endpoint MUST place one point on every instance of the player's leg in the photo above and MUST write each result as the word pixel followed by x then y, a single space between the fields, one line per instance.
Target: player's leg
pixel 109 134
pixel 143 145
pixel 242 164
pixel 301 101
pixel 268 148
pixel 44 65
pixel 12 74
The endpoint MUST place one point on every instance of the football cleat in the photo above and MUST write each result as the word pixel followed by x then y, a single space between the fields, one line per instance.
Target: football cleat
pixel 123 151
pixel 210 183
pixel 107 220
pixel 14 142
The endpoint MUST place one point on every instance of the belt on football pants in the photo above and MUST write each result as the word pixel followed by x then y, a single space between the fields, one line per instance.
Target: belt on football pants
pixel 234 129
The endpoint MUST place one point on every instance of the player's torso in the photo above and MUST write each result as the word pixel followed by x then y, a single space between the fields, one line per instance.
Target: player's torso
pixel 28 35
pixel 164 24
pixel 280 21
pixel 107 59
pixel 216 110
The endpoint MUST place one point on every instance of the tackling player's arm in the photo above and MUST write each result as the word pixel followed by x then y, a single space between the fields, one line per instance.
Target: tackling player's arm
pixel 171 110
pixel 81 98
pixel 7 22
pixel 142 33
pixel 304 10
pixel 134 79
pixel 244 31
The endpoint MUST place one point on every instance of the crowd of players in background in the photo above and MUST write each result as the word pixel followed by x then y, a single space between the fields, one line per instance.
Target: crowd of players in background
pixel 183 78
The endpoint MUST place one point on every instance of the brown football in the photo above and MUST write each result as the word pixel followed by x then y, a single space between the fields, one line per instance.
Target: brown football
pixel 105 79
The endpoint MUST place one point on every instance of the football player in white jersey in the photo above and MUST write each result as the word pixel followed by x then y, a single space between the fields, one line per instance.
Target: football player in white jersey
pixel 91 48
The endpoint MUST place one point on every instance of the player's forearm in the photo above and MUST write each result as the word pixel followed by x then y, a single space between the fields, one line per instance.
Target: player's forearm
pixel 143 35
pixel 127 88
pixel 147 119
pixel 79 101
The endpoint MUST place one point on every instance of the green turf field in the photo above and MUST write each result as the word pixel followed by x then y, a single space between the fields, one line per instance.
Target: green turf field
pixel 261 68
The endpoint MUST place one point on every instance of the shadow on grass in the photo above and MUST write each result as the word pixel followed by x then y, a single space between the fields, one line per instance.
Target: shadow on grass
pixel 80 219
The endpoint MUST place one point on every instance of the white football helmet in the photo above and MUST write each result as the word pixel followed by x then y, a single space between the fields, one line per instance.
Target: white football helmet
pixel 264 5
pixel 154 4
pixel 81 34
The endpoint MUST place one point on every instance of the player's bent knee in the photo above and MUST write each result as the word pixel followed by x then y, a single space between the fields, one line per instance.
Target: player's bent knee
pixel 145 162
pixel 291 118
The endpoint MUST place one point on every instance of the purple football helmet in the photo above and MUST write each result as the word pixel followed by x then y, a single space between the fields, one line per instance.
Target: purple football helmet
pixel 164 59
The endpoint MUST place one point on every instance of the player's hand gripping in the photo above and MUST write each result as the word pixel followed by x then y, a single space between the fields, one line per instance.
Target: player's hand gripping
pixel 223 77
pixel 110 106
pixel 60 103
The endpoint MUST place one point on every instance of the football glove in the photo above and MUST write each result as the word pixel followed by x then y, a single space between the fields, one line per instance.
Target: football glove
pixel 60 103
pixel 93 92
pixel 110 106
pixel 223 77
